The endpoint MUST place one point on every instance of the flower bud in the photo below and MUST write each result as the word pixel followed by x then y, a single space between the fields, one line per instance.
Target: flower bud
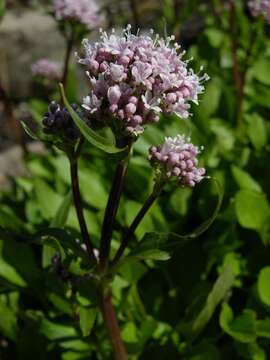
pixel 114 94
pixel 130 109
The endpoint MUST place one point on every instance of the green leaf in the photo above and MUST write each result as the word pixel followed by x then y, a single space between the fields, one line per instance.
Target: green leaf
pixel 263 285
pixel 220 289
pixel 243 328
pixel 263 328
pixel 48 200
pixel 55 331
pixel 62 214
pixel 244 180
pixel 8 323
pixel 90 135
pixel 87 319
pixel 205 225
pixel 250 351
pixel 257 130
pixel 260 70
pixel 129 333
pixel 252 209
pixel 211 97
pixel 8 272
pixel 215 37
pixel 29 132
pixel 58 222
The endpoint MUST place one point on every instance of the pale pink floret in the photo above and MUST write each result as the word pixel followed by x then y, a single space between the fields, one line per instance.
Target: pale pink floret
pixel 85 12
pixel 177 158
pixel 149 73
pixel 260 8
pixel 47 69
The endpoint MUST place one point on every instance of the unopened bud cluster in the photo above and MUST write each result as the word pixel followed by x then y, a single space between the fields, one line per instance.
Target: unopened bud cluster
pixel 133 78
pixel 260 8
pixel 84 12
pixel 46 68
pixel 177 158
pixel 58 121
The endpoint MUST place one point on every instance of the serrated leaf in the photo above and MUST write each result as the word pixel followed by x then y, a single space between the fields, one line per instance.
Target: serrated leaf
pixel 87 319
pixel 90 135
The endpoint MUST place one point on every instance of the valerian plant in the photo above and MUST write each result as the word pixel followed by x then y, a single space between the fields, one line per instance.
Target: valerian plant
pixel 133 81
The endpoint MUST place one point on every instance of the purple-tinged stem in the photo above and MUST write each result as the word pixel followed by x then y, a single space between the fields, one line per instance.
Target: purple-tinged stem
pixel 78 206
pixel 139 217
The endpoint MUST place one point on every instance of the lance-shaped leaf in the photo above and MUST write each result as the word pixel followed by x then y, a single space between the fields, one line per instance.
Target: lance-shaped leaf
pixel 191 329
pixel 107 145
pixel 87 319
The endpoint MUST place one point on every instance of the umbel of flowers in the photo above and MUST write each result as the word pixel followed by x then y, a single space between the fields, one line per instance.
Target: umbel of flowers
pixel 177 159
pixel 260 8
pixel 134 78
pixel 46 68
pixel 84 12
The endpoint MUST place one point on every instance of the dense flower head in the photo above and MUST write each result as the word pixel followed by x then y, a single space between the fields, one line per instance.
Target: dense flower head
pixel 260 8
pixel 46 68
pixel 135 77
pixel 57 120
pixel 177 158
pixel 85 12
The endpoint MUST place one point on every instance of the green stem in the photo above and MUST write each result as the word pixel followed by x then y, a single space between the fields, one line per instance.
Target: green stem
pixel 139 217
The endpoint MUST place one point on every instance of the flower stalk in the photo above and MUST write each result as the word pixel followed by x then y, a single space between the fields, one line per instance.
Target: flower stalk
pixel 136 222
pixel 111 210
pixel 78 203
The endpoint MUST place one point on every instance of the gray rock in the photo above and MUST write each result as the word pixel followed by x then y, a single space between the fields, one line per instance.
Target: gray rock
pixel 25 37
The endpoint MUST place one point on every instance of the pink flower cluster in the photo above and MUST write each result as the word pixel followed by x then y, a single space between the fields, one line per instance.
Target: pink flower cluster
pixel 260 8
pixel 47 69
pixel 177 158
pixel 81 11
pixel 135 77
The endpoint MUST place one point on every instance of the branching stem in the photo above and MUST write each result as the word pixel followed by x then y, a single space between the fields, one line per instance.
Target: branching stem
pixel 139 217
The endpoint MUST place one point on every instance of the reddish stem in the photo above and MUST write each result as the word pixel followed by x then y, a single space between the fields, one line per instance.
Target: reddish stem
pixel 112 326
